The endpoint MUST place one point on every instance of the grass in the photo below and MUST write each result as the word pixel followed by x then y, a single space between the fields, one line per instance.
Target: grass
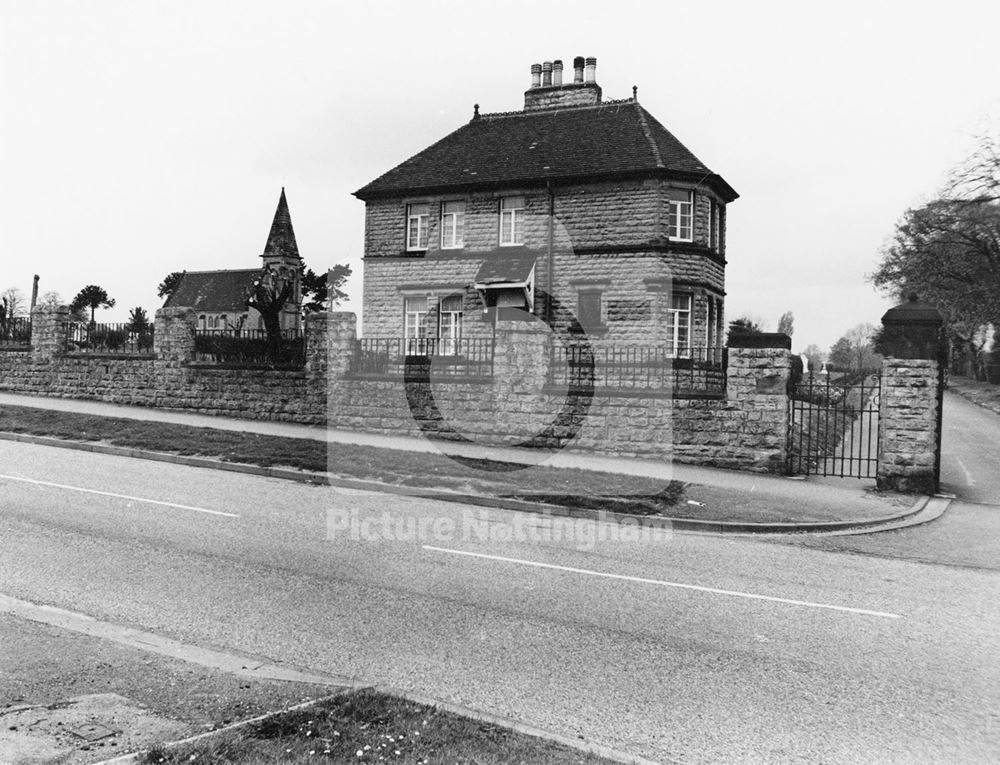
pixel 566 487
pixel 985 394
pixel 366 726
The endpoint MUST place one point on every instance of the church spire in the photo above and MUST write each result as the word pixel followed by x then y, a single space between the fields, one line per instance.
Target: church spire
pixel 281 239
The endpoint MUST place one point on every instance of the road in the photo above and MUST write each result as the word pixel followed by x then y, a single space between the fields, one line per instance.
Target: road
pixel 692 648
pixel 970 451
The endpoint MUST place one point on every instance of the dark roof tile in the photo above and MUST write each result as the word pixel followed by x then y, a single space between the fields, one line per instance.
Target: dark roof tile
pixel 281 238
pixel 611 139
pixel 213 290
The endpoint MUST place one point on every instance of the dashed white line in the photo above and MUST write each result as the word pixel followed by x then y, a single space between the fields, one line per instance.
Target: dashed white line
pixel 118 496
pixel 661 583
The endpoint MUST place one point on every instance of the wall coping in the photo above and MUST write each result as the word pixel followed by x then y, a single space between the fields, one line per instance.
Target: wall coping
pixel 760 340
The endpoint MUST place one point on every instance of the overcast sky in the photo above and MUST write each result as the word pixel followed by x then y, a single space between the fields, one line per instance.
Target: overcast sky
pixel 139 138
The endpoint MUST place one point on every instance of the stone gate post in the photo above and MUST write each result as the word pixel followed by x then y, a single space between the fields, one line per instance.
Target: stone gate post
pixel 48 334
pixel 909 455
pixel 173 335
pixel 759 368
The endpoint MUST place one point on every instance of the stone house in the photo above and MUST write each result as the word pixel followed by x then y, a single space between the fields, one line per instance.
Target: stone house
pixel 219 297
pixel 574 207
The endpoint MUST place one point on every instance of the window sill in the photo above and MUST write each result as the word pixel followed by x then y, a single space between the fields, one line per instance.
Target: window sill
pixel 597 330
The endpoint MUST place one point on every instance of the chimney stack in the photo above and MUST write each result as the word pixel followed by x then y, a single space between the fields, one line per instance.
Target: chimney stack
pixel 536 75
pixel 549 91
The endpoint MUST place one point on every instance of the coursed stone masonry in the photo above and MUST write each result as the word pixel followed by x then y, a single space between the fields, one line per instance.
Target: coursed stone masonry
pixel 744 429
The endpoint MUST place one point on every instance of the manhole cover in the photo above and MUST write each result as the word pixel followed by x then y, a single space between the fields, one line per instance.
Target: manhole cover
pixel 93 731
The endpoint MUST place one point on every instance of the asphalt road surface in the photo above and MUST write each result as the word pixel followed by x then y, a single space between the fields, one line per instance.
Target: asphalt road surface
pixel 686 649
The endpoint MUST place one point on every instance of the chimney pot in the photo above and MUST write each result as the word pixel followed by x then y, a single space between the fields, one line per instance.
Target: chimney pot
pixel 557 72
pixel 546 74
pixel 536 75
pixel 590 70
pixel 578 69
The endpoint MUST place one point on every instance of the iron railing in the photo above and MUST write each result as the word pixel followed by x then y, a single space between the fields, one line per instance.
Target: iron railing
pixel 15 330
pixel 250 348
pixel 388 356
pixel 639 368
pixel 109 338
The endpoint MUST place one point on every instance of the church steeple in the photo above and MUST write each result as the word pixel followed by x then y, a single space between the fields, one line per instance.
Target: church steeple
pixel 281 239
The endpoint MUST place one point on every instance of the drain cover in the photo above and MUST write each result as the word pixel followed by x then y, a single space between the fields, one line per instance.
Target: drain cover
pixel 93 731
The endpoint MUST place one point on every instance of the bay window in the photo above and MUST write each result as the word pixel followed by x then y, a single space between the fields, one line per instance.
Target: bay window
pixel 680 214
pixel 679 326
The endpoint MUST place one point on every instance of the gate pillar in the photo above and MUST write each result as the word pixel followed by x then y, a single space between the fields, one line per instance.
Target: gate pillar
pixel 909 455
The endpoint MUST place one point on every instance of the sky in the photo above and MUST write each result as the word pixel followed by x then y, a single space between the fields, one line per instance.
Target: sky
pixel 139 137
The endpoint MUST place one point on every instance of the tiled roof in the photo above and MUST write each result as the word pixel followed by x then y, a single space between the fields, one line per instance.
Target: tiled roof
pixel 506 267
pixel 611 139
pixel 213 290
pixel 281 238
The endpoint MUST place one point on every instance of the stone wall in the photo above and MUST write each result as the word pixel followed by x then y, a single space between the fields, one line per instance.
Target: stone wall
pixel 518 404
pixel 168 378
pixel 908 414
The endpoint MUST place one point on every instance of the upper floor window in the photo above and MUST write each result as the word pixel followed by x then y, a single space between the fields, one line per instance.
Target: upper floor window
pixel 452 225
pixel 679 326
pixel 416 226
pixel 715 219
pixel 680 214
pixel 511 220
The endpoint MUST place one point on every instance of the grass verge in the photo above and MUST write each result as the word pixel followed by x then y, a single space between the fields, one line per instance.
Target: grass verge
pixel 559 486
pixel 367 726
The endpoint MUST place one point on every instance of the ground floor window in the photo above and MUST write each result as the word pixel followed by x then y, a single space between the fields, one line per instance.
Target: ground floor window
pixel 436 332
pixel 588 309
pixel 679 325
pixel 415 325
pixel 450 324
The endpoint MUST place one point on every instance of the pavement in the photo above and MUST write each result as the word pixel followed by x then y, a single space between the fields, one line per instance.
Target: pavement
pixel 717 500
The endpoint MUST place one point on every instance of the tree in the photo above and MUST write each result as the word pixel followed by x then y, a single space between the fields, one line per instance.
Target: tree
pixel 785 323
pixel 268 296
pixel 169 284
pixel 855 351
pixel 948 251
pixel 11 307
pixel 841 354
pixel 140 327
pixel 50 299
pixel 92 297
pixel 744 325
pixel 815 357
pixel 324 290
pixel 12 301
pixel 138 320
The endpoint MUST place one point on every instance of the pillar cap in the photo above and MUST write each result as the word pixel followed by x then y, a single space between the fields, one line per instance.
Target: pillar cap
pixel 914 311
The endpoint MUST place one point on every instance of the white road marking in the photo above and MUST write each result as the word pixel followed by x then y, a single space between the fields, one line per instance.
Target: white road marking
pixel 641 580
pixel 969 480
pixel 120 496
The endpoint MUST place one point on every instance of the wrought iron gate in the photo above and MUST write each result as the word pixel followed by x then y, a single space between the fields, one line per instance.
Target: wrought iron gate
pixel 833 426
